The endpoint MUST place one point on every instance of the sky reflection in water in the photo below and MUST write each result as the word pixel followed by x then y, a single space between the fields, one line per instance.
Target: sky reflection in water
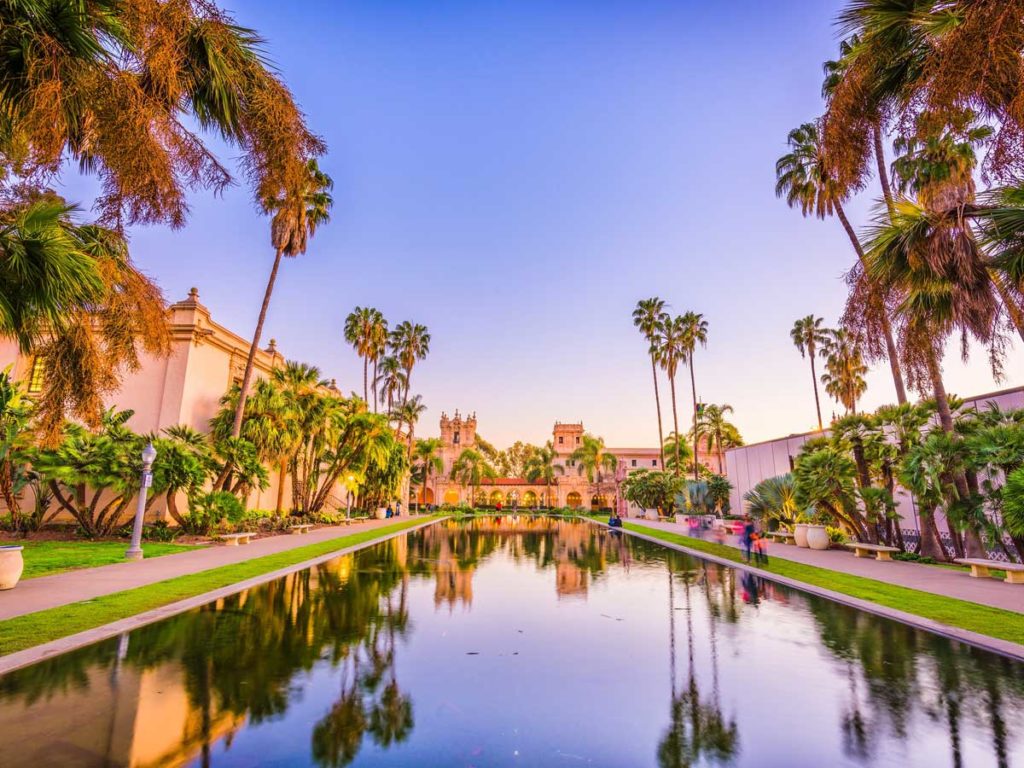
pixel 524 642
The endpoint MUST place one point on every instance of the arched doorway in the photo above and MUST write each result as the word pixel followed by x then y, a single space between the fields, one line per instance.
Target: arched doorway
pixel 419 497
pixel 512 499
pixel 496 498
pixel 598 501
pixel 529 499
pixel 574 500
pixel 451 497
pixel 480 498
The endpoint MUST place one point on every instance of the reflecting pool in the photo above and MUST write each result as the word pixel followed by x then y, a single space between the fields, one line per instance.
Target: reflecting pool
pixel 517 641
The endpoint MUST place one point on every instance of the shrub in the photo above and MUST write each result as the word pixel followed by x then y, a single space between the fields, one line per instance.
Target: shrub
pixel 913 557
pixel 207 510
pixel 836 535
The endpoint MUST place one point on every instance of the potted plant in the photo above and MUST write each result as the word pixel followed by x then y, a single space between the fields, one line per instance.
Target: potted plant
pixel 800 535
pixel 817 536
pixel 11 565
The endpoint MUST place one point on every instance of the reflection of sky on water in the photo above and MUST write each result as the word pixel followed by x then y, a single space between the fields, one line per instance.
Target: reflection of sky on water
pixel 552 649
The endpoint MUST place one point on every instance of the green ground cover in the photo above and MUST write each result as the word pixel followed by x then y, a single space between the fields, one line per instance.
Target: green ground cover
pixel 43 626
pixel 983 619
pixel 43 558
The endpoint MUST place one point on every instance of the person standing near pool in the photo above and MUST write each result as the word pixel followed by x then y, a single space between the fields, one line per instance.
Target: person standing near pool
pixel 747 537
pixel 398 508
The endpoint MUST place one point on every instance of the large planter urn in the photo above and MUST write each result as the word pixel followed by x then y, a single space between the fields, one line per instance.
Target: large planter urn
pixel 382 512
pixel 817 537
pixel 800 535
pixel 11 566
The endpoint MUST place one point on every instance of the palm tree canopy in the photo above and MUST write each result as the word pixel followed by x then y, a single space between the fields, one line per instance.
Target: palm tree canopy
pixel 647 315
pixel 593 458
pixel 808 335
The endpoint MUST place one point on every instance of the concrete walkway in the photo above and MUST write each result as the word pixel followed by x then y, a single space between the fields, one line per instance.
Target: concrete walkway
pixel 927 578
pixel 88 583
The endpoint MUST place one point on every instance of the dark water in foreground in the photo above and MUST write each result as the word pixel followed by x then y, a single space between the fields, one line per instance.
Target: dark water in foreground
pixel 529 642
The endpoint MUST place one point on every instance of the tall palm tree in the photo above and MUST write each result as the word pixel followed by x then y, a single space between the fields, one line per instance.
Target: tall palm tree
pixel 696 333
pixel 679 446
pixel 719 433
pixel 410 343
pixel 541 467
pixel 295 219
pixel 808 335
pixel 378 349
pixel 427 454
pixel 804 180
pixel 408 413
pixel 844 369
pixel 470 468
pixel 391 381
pixel 645 318
pixel 363 329
pixel 670 346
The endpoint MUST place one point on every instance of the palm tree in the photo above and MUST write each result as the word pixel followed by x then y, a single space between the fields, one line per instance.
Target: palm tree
pixel 409 413
pixel 696 332
pixel 363 329
pixel 670 345
pixel 296 218
pixel 541 467
pixel 844 369
pixel 719 433
pixel 409 343
pixel 645 318
pixel 470 468
pixel 808 335
pixel 391 380
pixel 378 349
pixel 679 445
pixel 803 179
pixel 70 296
pixel 428 454
pixel 592 458
pixel 115 87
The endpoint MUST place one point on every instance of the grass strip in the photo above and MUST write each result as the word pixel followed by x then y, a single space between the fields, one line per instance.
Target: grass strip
pixel 45 558
pixel 32 629
pixel 983 619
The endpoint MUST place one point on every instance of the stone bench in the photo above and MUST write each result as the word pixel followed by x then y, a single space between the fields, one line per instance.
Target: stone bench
pixel 300 528
pixel 234 539
pixel 880 551
pixel 784 536
pixel 982 569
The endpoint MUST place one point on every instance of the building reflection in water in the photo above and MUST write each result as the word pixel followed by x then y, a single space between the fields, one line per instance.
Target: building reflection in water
pixel 180 691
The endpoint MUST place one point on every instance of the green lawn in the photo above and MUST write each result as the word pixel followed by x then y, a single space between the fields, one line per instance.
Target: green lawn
pixel 985 620
pixel 43 626
pixel 43 558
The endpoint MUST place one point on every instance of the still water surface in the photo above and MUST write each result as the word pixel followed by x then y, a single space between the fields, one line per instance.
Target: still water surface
pixel 517 642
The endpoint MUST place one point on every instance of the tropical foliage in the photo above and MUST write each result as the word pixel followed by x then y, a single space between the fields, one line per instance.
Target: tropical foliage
pixel 651 489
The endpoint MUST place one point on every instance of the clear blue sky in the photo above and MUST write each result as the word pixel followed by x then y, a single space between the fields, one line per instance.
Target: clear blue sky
pixel 516 175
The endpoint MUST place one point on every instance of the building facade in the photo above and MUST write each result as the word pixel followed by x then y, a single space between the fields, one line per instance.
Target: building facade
pixel 571 487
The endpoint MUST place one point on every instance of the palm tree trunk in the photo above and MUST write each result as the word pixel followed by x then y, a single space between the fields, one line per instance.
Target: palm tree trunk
pixel 236 427
pixel 890 343
pixel 1012 308
pixel 281 475
pixel 375 385
pixel 657 404
pixel 693 389
pixel 366 391
pixel 883 174
pixel 675 420
pixel 814 379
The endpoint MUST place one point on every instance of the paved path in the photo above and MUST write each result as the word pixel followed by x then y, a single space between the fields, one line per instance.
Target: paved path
pixel 87 583
pixel 927 578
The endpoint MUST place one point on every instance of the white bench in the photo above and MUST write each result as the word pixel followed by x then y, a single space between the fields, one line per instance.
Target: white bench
pixel 784 536
pixel 300 528
pixel 880 551
pixel 982 569
pixel 234 539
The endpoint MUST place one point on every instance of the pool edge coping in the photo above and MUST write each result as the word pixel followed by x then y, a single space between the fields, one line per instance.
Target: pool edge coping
pixel 24 658
pixel 1006 648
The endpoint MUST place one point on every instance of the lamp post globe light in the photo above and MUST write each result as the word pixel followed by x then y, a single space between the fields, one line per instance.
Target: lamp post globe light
pixel 134 551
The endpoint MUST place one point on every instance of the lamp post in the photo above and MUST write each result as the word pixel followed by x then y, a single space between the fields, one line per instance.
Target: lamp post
pixel 148 456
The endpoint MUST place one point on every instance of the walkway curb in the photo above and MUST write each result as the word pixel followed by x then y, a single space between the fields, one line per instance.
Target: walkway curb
pixel 19 659
pixel 1005 648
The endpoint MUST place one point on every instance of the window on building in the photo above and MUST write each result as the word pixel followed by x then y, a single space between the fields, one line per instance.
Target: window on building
pixel 561 440
pixel 654 462
pixel 577 440
pixel 455 439
pixel 37 377
pixel 634 462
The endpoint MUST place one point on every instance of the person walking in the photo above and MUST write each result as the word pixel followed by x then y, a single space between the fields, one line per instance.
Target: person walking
pixel 747 536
